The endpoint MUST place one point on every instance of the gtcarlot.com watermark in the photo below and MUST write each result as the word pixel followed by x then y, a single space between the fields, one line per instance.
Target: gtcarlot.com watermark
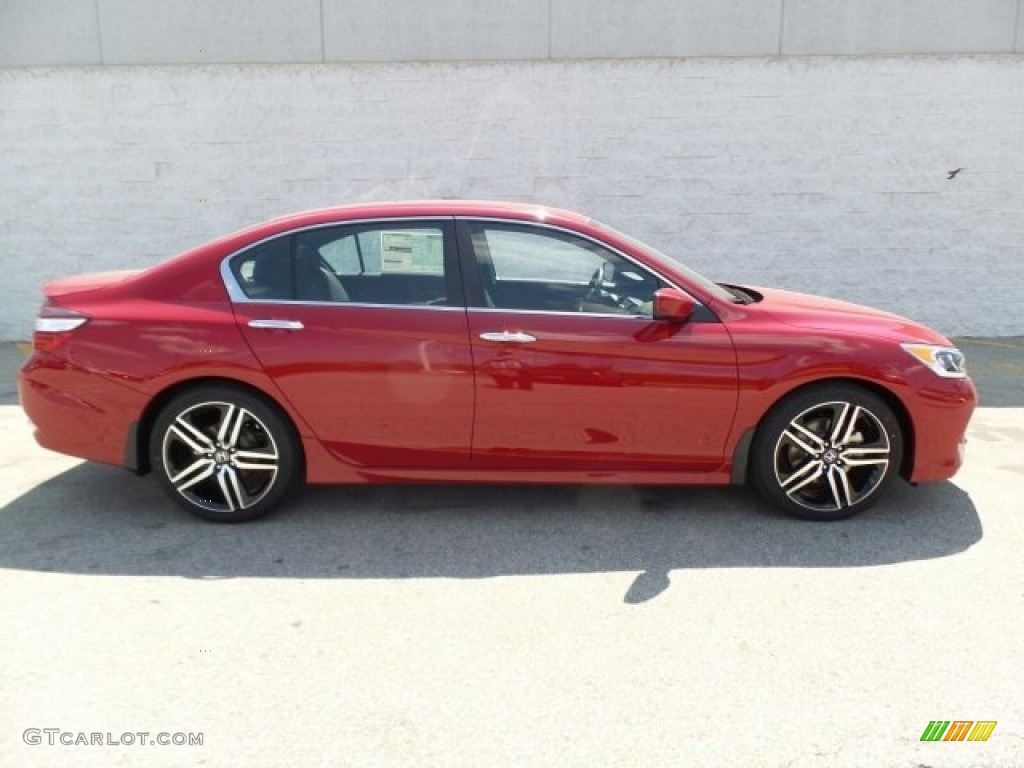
pixel 56 736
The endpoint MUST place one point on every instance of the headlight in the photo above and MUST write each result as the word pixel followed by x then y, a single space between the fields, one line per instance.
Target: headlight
pixel 947 362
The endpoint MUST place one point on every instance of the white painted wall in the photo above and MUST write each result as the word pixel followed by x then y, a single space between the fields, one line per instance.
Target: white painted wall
pixel 821 174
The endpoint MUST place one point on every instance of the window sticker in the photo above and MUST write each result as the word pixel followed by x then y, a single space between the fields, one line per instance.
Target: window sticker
pixel 419 252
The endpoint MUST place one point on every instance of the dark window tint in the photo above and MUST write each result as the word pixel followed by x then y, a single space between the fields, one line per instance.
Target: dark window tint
pixel 264 272
pixel 401 263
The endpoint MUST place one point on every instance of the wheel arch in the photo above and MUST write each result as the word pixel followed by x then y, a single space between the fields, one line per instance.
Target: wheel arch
pixel 137 444
pixel 741 453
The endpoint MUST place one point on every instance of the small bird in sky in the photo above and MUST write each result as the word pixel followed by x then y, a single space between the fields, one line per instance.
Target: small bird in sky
pixel 953 173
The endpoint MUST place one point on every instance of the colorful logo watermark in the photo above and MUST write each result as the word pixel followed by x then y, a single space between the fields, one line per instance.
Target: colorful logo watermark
pixel 958 730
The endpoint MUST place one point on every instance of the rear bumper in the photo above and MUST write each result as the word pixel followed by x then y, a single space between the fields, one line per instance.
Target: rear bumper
pixel 75 412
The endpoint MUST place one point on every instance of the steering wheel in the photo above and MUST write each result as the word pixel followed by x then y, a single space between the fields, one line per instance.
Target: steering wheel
pixel 596 293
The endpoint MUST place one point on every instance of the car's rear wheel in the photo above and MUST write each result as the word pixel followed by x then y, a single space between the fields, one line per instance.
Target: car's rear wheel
pixel 827 452
pixel 223 453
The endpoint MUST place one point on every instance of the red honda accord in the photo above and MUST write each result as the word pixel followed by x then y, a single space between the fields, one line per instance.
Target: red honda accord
pixel 481 342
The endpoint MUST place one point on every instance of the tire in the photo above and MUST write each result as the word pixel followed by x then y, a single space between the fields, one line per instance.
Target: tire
pixel 827 452
pixel 224 454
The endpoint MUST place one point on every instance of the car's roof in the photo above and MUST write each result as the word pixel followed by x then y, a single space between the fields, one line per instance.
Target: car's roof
pixel 197 258
pixel 413 208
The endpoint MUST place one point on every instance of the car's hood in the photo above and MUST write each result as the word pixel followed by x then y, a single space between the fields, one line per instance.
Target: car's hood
pixel 824 314
pixel 87 282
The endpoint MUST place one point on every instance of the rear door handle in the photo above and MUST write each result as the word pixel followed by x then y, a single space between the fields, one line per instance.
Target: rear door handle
pixel 277 325
pixel 505 337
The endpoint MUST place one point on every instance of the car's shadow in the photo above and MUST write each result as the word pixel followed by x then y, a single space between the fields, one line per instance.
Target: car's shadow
pixel 98 520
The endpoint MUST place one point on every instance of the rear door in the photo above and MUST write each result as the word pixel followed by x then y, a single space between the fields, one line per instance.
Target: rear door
pixel 363 327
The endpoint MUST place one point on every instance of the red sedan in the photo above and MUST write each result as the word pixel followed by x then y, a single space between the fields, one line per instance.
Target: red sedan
pixel 481 342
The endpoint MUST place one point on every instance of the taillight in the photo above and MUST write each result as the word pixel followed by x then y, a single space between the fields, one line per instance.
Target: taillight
pixel 54 325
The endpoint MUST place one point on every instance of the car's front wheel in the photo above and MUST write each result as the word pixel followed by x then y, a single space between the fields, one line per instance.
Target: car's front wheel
pixel 827 452
pixel 223 453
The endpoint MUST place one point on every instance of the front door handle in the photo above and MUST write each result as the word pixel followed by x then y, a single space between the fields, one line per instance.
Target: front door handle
pixel 504 337
pixel 277 325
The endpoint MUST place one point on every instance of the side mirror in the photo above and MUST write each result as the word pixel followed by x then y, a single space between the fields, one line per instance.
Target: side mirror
pixel 672 305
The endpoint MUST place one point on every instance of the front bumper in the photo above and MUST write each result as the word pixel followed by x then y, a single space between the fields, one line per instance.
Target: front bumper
pixel 941 414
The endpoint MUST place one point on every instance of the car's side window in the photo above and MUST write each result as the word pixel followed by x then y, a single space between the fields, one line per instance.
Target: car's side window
pixel 400 263
pixel 529 255
pixel 530 268
pixel 264 272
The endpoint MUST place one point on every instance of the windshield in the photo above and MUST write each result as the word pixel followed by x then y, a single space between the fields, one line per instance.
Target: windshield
pixel 710 286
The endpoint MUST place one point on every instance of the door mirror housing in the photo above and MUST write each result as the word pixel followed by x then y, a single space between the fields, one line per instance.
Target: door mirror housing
pixel 673 305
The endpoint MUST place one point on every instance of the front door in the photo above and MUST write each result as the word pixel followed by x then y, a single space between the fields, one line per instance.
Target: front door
pixel 573 372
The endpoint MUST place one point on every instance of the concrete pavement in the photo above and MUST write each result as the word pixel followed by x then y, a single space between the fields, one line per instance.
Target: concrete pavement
pixel 497 626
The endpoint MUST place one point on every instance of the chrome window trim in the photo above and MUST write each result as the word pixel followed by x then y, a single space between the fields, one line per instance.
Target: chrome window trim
pixel 343 304
pixel 620 315
pixel 235 293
